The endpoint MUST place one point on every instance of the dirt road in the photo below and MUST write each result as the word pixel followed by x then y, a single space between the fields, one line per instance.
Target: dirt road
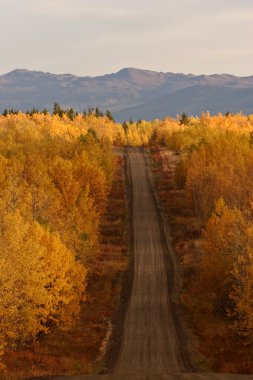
pixel 149 342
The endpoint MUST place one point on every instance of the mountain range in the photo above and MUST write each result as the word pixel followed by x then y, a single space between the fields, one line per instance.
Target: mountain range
pixel 129 93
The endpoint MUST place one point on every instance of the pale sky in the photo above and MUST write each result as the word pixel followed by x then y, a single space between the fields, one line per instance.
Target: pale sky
pixel 94 37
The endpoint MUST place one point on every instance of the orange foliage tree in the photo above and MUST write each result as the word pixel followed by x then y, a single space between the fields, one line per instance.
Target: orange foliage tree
pixel 226 277
pixel 55 175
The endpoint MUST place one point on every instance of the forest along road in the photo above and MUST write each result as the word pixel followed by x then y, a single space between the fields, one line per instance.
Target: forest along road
pixel 149 347
pixel 149 342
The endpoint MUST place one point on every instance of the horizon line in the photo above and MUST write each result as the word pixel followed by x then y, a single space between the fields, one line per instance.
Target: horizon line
pixel 124 68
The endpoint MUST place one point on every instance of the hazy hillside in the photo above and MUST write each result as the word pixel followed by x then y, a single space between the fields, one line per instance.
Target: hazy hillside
pixel 128 93
pixel 193 100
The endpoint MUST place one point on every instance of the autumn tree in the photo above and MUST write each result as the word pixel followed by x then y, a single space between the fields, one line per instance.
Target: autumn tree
pixel 226 277
pixel 42 284
pixel 217 169
pixel 55 175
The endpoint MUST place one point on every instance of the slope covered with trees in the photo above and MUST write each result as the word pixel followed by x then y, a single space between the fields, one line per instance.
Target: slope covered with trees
pixel 56 172
pixel 206 189
pixel 55 176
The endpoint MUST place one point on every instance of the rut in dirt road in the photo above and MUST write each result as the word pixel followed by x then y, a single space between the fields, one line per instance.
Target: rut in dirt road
pixel 149 341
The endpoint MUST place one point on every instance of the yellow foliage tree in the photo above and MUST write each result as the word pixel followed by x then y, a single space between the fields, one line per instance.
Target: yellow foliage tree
pixel 41 283
pixel 226 267
pixel 218 169
pixel 242 291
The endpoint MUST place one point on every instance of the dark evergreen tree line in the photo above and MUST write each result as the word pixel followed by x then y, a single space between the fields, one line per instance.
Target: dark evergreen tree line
pixel 58 110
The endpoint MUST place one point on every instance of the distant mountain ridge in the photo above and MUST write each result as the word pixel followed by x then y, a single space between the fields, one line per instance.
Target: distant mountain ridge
pixel 129 93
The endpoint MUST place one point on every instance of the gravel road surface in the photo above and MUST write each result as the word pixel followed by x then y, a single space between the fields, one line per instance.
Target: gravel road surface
pixel 149 342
